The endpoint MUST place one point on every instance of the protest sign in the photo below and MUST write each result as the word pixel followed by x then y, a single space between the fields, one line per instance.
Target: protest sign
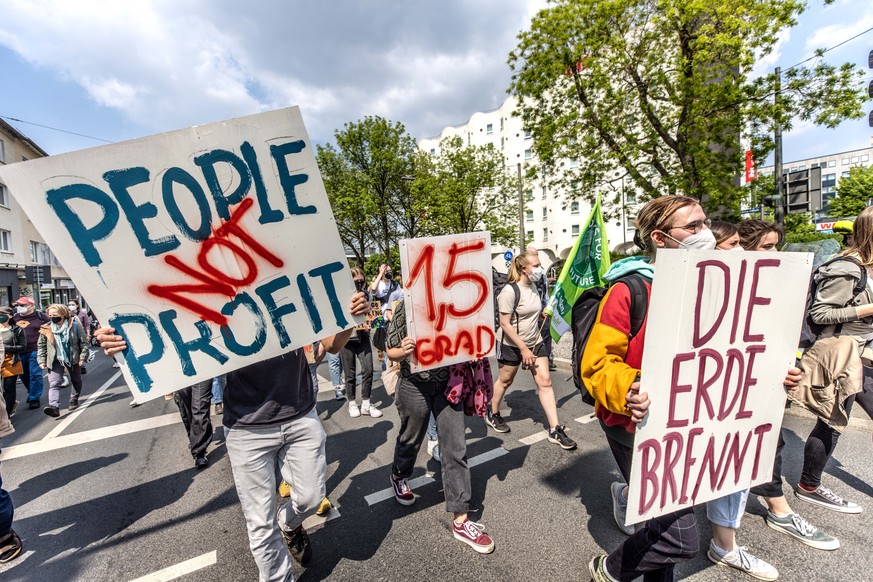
pixel 449 309
pixel 198 245
pixel 722 333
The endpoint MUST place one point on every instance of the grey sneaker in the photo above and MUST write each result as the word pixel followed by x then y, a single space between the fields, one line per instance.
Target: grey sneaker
pixel 824 497
pixel 619 508
pixel 803 531
pixel 496 422
pixel 560 438
pixel 743 561
pixel 597 569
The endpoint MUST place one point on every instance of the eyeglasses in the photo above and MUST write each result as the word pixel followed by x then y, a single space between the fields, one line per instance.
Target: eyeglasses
pixel 695 227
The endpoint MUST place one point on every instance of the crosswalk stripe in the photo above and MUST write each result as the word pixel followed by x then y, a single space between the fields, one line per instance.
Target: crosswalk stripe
pixel 534 438
pixel 587 418
pixel 180 569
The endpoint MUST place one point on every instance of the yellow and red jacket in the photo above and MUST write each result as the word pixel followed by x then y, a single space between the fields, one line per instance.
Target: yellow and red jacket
pixel 611 363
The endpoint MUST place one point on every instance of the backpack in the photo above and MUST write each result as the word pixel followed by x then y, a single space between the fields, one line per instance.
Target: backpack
pixel 810 331
pixel 584 315
pixel 498 282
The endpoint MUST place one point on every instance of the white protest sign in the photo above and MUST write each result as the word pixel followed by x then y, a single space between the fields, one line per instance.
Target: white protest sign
pixel 722 333
pixel 449 305
pixel 207 248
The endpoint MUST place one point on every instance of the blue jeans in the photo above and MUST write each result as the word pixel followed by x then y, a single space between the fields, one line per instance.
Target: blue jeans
pixel 335 366
pixel 31 376
pixel 218 389
pixel 432 428
pixel 6 510
pixel 727 511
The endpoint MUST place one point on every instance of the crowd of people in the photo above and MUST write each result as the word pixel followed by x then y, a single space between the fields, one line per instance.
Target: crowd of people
pixel 270 421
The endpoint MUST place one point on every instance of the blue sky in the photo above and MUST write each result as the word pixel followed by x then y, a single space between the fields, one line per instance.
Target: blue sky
pixel 122 70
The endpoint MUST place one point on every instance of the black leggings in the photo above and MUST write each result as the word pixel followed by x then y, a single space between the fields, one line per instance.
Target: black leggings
pixel 823 439
pixel 9 390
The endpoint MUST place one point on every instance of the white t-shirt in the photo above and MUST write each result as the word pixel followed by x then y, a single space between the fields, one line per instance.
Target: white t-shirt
pixel 528 311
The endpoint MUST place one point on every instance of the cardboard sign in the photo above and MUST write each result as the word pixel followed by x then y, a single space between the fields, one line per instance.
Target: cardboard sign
pixel 449 305
pixel 374 319
pixel 722 333
pixel 197 245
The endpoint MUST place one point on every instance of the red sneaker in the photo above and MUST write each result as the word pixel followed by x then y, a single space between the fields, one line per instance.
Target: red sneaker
pixel 470 533
pixel 402 493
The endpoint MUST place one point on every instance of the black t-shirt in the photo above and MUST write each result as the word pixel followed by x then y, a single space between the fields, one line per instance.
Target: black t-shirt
pixel 271 392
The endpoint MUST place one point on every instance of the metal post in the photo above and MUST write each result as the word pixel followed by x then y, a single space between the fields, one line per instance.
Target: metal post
pixel 779 206
pixel 623 213
pixel 521 245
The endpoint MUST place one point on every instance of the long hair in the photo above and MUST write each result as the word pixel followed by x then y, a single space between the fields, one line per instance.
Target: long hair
pixel 519 262
pixel 753 230
pixel 722 230
pixel 862 242
pixel 657 214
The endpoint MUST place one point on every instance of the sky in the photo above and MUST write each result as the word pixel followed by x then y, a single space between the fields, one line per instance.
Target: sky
pixel 122 70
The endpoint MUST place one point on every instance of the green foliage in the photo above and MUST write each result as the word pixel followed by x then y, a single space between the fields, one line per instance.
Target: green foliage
pixel 371 267
pixel 853 193
pixel 469 189
pixel 660 91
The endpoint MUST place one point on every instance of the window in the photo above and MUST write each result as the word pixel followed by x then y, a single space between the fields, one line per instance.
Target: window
pixel 844 175
pixel 854 159
pixel 528 154
pixel 2 152
pixel 545 213
pixel 574 208
pixel 574 230
pixel 844 161
pixel 41 254
pixel 4 196
pixel 489 129
pixel 545 192
pixel 432 151
pixel 528 215
pixel 832 163
pixel 529 235
pixel 865 158
pixel 501 124
pixel 527 134
pixel 545 235
pixel 502 139
pixel 630 197
pixel 5 241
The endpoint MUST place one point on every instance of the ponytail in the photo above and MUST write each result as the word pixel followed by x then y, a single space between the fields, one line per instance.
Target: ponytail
pixel 516 267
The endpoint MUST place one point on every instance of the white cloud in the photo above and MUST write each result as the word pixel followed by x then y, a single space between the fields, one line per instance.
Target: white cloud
pixel 829 35
pixel 765 64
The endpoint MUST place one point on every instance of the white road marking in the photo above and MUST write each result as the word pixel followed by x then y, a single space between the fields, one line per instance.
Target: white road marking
pixel 88 436
pixel 587 418
pixel 379 496
pixel 180 569
pixel 68 419
pixel 534 438
pixel 316 520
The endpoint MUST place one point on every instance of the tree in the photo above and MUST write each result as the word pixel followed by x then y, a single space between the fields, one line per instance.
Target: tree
pixel 854 193
pixel 368 182
pixel 469 189
pixel 662 90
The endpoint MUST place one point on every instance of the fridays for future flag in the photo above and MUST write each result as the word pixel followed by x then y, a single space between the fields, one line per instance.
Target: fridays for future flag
pixel 583 269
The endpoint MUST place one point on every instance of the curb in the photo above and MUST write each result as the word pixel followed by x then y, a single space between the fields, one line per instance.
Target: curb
pixel 859 422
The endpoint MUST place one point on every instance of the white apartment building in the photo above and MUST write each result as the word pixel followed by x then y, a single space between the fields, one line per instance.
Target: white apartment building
pixel 551 221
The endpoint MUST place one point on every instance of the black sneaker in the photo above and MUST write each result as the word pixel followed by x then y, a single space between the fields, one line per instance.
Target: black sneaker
pixel 560 438
pixel 74 404
pixel 496 422
pixel 201 462
pixel 52 411
pixel 33 404
pixel 298 545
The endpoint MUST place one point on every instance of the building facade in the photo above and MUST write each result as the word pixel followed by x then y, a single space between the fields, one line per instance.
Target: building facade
pixel 21 246
pixel 552 222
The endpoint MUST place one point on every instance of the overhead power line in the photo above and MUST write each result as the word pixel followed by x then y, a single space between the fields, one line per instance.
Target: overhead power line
pixel 818 54
pixel 55 128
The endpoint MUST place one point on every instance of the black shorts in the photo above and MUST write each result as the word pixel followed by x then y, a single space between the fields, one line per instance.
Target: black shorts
pixel 509 355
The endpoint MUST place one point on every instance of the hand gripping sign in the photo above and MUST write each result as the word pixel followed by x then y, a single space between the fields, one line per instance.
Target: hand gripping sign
pixel 449 310
pixel 721 334
pixel 196 245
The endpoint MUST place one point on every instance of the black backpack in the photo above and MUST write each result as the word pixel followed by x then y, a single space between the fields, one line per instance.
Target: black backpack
pixel 584 315
pixel 498 282
pixel 812 330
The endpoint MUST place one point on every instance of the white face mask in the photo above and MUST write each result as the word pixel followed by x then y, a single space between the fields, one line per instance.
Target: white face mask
pixel 701 241
pixel 21 310
pixel 72 308
pixel 537 274
pixel 737 248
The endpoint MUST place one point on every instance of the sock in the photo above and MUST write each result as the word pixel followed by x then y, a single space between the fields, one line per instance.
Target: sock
pixel 365 403
pixel 806 487
pixel 718 550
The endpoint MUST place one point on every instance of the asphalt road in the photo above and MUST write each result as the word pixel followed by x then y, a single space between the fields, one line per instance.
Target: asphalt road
pixel 109 493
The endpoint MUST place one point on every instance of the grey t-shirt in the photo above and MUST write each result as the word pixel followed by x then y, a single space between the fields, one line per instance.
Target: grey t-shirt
pixel 271 392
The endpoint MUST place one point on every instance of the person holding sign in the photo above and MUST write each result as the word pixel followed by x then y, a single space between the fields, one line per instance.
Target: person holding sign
pixel 418 396
pixel 269 419
pixel 359 347
pixel 521 344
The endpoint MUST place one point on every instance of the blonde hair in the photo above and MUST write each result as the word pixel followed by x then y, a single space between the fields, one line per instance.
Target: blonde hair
pixel 862 241
pixel 657 214
pixel 61 309
pixel 516 267
pixel 357 271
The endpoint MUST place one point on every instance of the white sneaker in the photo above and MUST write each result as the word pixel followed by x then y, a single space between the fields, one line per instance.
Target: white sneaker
pixel 743 561
pixel 370 410
pixel 338 393
pixel 431 445
pixel 354 411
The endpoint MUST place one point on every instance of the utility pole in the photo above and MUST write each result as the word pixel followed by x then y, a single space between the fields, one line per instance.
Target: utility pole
pixel 779 199
pixel 521 245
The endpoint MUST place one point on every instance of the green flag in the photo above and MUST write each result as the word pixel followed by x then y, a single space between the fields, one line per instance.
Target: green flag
pixel 583 269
